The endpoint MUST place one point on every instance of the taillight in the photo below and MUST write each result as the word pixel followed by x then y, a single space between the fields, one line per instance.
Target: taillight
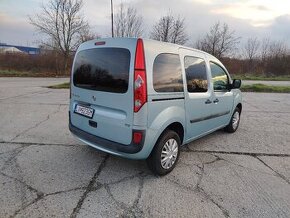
pixel 137 137
pixel 100 43
pixel 140 85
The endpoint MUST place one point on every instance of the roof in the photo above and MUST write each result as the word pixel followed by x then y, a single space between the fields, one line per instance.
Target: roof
pixel 9 49
pixel 128 39
pixel 26 49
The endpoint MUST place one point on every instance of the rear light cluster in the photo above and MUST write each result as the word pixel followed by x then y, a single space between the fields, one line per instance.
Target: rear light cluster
pixel 140 90
pixel 137 137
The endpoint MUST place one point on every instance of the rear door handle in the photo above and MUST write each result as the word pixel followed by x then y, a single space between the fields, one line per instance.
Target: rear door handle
pixel 215 101
pixel 208 101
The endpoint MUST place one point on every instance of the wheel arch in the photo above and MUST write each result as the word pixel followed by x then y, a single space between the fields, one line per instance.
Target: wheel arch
pixel 239 105
pixel 176 127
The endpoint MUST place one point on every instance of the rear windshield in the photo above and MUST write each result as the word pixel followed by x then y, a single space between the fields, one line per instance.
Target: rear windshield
pixel 102 69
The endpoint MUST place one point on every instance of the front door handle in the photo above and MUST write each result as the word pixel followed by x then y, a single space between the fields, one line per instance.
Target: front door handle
pixel 215 101
pixel 208 101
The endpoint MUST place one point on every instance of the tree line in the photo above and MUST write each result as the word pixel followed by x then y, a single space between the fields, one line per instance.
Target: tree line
pixel 65 27
pixel 267 57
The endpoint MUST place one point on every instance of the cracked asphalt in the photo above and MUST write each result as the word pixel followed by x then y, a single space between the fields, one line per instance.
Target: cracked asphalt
pixel 45 172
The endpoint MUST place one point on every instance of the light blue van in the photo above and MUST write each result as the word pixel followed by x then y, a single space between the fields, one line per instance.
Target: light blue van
pixel 143 99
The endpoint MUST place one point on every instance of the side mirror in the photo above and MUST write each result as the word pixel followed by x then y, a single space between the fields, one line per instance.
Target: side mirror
pixel 236 84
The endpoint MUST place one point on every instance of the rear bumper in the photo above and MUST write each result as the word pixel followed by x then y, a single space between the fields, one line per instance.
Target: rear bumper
pixel 104 144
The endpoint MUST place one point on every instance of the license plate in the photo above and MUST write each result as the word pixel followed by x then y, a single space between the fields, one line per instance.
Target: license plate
pixel 84 111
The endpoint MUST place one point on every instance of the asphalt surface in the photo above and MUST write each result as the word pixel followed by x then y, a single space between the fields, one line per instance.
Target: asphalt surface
pixel 45 172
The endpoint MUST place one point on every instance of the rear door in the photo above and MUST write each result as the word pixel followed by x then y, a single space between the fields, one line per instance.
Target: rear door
pixel 198 94
pixel 101 78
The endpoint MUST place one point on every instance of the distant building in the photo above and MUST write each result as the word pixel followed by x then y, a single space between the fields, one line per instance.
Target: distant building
pixel 18 49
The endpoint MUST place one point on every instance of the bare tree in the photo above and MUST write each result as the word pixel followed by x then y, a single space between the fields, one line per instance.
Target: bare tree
pixel 277 62
pixel 63 23
pixel 170 29
pixel 250 52
pixel 179 35
pixel 274 57
pixel 251 48
pixel 265 48
pixel 87 35
pixel 277 49
pixel 162 29
pixel 272 49
pixel 127 22
pixel 219 41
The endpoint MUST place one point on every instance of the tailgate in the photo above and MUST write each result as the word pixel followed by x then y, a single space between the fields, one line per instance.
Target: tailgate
pixel 101 82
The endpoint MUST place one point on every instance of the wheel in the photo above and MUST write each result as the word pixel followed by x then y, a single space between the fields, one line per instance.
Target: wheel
pixel 234 122
pixel 165 154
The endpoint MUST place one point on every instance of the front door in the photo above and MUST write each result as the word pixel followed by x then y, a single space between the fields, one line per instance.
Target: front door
pixel 222 96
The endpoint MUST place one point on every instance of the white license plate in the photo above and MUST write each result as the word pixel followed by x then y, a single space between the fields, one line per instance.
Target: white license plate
pixel 85 111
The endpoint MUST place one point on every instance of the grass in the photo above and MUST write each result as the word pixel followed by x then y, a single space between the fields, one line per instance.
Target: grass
pixel 60 86
pixel 265 88
pixel 15 73
pixel 244 88
pixel 262 77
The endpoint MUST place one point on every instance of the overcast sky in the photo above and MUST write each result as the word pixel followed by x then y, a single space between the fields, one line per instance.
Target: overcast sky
pixel 249 18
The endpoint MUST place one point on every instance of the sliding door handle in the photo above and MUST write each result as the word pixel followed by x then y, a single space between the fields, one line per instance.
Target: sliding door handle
pixel 215 101
pixel 208 101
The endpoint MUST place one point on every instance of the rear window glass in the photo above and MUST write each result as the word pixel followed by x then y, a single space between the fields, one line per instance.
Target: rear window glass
pixel 195 71
pixel 102 69
pixel 167 75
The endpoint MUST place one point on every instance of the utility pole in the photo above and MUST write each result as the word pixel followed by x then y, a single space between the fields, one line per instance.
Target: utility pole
pixel 112 18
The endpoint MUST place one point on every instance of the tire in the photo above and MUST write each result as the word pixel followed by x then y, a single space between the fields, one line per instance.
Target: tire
pixel 234 122
pixel 159 162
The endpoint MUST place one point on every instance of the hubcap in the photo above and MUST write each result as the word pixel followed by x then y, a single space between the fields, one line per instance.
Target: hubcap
pixel 169 153
pixel 236 119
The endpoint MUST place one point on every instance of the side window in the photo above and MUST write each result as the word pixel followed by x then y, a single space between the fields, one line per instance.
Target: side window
pixel 167 76
pixel 219 77
pixel 195 70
